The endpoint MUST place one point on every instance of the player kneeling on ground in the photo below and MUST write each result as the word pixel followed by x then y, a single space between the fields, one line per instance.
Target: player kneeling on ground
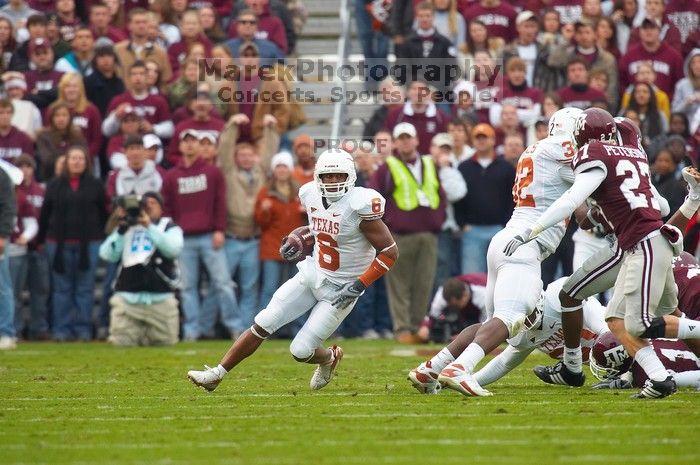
pixel 144 308
pixel 353 248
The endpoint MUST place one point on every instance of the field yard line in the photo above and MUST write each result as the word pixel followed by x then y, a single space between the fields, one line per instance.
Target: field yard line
pixel 340 443
pixel 577 426
pixel 334 415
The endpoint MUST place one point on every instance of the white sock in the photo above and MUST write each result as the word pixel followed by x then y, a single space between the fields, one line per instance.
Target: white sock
pixel 441 360
pixel 650 363
pixel 688 379
pixel 471 356
pixel 688 329
pixel 220 371
pixel 573 359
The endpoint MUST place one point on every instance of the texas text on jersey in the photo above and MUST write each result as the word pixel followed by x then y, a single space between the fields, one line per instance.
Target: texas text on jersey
pixel 626 189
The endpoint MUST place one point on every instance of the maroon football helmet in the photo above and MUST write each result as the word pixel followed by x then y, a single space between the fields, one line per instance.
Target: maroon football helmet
pixel 608 357
pixel 595 124
pixel 684 260
pixel 628 132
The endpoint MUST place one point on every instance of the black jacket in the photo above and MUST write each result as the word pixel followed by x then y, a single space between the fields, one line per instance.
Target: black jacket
pixel 439 68
pixel 8 205
pixel 100 90
pixel 489 200
pixel 73 216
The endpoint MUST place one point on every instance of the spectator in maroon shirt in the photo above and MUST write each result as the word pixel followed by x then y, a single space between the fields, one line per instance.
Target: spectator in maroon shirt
pixel 86 116
pixel 666 61
pixel 42 81
pixel 68 21
pixel 578 93
pixel 53 141
pixel 527 100
pixel 596 58
pixel 669 34
pixel 498 16
pixel 685 15
pixel 222 8
pixel 13 142
pixel 100 24
pixel 153 108
pixel 195 197
pixel 8 43
pixel 422 113
pixel 129 125
pixel 269 27
pixel 191 31
pixel 201 121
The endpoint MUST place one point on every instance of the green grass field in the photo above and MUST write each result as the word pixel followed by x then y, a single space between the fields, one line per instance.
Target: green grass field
pixel 94 404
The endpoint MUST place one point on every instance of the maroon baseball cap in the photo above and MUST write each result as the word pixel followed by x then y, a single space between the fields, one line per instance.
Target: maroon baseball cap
pixel 38 44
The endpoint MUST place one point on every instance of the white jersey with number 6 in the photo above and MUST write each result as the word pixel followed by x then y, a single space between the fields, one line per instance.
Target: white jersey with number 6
pixel 341 253
pixel 543 174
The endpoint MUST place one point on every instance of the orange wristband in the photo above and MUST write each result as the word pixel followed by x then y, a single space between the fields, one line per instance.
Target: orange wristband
pixel 380 265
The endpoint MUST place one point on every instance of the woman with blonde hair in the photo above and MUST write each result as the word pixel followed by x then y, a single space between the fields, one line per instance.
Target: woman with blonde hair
pixel 85 115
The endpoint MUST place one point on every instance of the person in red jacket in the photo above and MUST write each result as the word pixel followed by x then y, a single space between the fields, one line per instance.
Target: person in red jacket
pixel 194 193
pixel 578 93
pixel 277 212
pixel 499 17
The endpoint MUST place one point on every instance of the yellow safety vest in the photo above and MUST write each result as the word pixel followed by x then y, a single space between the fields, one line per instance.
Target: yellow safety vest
pixel 406 188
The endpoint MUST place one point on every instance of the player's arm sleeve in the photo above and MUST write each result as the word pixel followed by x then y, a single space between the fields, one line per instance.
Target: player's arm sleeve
pixel 663 203
pixel 585 184
pixel 566 173
pixel 370 206
pixel 501 365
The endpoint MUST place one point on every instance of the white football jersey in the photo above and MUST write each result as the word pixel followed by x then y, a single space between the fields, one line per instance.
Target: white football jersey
pixel 543 174
pixel 341 252
pixel 549 336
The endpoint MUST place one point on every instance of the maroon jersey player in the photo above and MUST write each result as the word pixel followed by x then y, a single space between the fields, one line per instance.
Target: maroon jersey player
pixel 617 177
pixel 686 272
pixel 611 364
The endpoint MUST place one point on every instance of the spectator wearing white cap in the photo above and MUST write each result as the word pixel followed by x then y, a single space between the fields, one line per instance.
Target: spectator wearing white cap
pixel 26 116
pixel 442 151
pixel 277 212
pixel 415 213
pixel 202 120
pixel 153 147
pixel 207 146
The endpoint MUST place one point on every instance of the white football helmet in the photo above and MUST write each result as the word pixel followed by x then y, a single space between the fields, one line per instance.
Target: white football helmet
pixel 563 122
pixel 335 161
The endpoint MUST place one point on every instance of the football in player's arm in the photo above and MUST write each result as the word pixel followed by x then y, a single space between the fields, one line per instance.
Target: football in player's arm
pixel 353 248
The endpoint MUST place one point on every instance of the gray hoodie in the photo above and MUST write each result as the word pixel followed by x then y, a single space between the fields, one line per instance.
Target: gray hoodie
pixel 684 92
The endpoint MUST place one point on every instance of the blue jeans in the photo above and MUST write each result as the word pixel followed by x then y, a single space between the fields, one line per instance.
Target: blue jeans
pixel 196 248
pixel 73 292
pixel 449 257
pixel 370 312
pixel 39 277
pixel 375 46
pixel 244 264
pixel 7 300
pixel 18 273
pixel 107 292
pixel 475 244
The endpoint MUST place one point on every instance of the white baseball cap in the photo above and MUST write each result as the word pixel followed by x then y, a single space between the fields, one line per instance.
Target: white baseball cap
pixel 404 128
pixel 283 158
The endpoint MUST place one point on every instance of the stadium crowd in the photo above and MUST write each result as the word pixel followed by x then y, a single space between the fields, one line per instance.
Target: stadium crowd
pixel 104 100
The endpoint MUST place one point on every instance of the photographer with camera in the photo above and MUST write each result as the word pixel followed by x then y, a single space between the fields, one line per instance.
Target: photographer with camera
pixel 144 308
pixel 458 303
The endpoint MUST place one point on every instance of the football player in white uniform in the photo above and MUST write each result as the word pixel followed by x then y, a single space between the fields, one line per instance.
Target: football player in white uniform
pixel 353 248
pixel 513 285
pixel 543 332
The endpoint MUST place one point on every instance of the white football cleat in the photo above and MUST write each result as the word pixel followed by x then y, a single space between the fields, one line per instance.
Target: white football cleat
pixel 324 373
pixel 424 378
pixel 208 379
pixel 454 376
pixel 8 343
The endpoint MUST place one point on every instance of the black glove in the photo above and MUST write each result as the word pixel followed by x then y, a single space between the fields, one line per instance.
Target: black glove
pixel 122 228
pixel 347 294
